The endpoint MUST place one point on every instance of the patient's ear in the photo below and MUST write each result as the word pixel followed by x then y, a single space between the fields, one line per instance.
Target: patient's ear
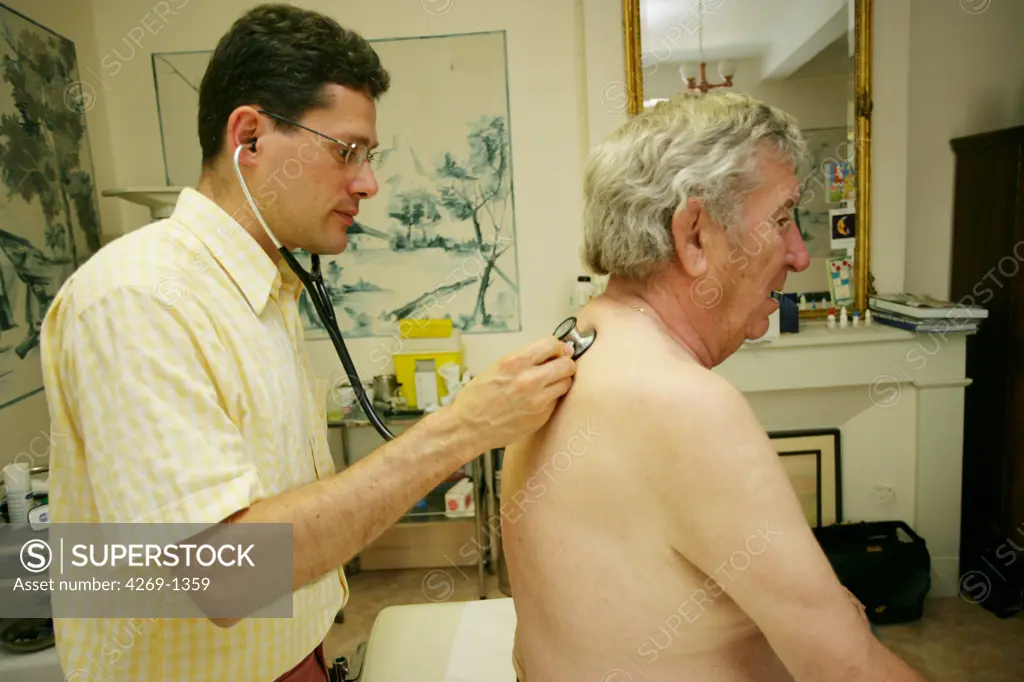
pixel 690 236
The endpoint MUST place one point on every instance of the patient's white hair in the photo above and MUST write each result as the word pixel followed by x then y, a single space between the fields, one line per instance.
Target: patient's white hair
pixel 701 146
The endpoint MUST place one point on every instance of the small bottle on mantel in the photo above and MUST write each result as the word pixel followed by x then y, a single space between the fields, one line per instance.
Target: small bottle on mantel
pixel 843 319
pixel 583 292
pixel 831 318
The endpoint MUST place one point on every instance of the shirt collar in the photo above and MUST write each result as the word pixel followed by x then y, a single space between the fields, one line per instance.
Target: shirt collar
pixel 244 260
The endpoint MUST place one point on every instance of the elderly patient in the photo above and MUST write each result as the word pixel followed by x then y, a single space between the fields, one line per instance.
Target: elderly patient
pixel 650 531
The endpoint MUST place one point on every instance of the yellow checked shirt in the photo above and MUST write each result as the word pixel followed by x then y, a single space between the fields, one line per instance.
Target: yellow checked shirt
pixel 180 391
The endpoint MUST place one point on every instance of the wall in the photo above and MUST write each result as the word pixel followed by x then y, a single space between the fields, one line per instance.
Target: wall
pixel 966 75
pixel 25 424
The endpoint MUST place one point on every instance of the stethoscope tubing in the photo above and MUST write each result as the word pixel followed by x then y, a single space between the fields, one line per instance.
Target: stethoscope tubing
pixel 317 292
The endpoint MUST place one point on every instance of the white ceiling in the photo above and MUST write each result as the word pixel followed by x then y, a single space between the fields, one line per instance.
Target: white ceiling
pixel 784 34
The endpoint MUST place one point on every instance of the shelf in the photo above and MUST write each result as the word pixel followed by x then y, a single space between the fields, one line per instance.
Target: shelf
pixel 361 421
pixel 434 509
pixel 357 418
pixel 425 545
pixel 159 200
pixel 817 333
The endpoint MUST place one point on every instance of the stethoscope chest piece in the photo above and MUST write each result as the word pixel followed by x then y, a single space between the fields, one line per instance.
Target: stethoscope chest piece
pixel 580 341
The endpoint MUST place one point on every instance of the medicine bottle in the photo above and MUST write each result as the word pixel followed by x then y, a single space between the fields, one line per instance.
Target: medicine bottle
pixel 18 482
pixel 583 292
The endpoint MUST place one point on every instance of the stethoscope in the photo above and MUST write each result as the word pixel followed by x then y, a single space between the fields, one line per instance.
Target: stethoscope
pixel 581 341
pixel 313 281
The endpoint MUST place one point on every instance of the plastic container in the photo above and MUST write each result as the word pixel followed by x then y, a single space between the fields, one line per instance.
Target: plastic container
pixel 426 328
pixel 582 292
pixel 405 372
pixel 458 501
pixel 18 482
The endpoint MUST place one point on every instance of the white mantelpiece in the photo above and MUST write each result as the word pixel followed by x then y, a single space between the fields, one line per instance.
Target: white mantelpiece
pixel 898 400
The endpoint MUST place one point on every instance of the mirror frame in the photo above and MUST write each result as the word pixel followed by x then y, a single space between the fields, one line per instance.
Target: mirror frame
pixel 863 105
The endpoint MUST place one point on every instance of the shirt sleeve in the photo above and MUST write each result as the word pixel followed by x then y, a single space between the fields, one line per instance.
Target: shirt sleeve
pixel 142 385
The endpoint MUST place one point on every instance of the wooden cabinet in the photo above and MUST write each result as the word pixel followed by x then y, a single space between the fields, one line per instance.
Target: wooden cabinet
pixel 987 268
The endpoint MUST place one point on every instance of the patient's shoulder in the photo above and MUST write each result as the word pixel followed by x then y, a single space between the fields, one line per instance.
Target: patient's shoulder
pixel 637 363
pixel 709 429
pixel 650 382
pixel 696 399
pixel 634 350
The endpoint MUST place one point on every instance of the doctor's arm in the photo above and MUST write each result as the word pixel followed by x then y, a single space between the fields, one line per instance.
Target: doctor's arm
pixel 738 520
pixel 335 518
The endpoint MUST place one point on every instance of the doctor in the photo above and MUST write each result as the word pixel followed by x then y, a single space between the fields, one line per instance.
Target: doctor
pixel 177 379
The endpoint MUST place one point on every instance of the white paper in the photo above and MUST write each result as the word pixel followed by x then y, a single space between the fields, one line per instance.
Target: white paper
pixel 482 651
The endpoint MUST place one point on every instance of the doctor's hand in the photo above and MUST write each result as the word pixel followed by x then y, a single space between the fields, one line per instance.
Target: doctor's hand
pixel 517 394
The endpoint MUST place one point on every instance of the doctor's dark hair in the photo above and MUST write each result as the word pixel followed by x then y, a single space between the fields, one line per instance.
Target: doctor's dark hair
pixel 280 58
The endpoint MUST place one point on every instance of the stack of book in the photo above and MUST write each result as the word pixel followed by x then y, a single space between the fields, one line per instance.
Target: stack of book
pixel 919 313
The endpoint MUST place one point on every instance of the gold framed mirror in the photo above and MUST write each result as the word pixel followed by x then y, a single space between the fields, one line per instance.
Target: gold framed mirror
pixel 811 58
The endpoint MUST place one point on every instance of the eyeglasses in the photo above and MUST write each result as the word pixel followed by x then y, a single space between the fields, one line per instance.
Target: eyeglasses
pixel 350 153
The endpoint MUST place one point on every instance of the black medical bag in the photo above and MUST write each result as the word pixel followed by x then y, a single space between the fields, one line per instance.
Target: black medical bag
pixel 885 564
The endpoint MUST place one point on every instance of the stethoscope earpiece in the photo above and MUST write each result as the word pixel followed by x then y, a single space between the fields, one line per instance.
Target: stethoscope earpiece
pixel 567 331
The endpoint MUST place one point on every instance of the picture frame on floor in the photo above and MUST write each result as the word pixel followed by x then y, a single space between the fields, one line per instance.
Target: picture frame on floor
pixel 812 460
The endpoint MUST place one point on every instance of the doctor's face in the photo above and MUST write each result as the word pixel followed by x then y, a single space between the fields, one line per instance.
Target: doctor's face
pixel 318 183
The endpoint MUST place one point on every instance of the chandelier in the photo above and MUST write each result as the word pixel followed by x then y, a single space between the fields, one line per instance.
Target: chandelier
pixel 700 81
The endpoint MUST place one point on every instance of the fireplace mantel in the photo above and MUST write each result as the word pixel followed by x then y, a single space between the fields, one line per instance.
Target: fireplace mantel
pixel 897 398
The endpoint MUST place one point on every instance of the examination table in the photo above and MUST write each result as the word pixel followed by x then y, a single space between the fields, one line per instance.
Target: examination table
pixel 441 642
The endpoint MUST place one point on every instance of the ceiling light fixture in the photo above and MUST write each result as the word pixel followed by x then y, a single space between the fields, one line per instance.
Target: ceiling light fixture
pixel 700 81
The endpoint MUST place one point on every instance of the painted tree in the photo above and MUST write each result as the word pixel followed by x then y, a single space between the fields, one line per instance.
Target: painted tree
pixel 414 208
pixel 42 144
pixel 479 189
pixel 81 190
pixel 41 276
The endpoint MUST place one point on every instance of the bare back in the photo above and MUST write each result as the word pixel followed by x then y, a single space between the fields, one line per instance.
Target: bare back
pixel 600 592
